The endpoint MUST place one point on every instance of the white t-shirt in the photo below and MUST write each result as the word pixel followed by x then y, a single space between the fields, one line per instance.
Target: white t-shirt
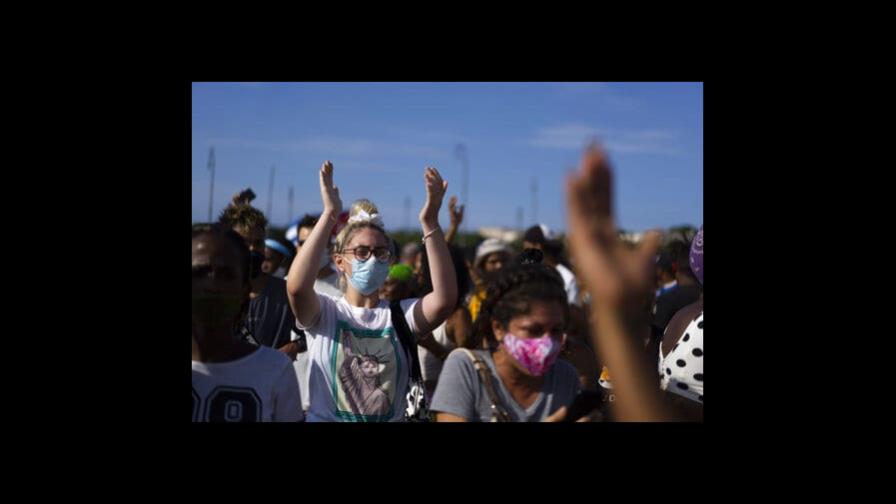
pixel 323 286
pixel 569 283
pixel 358 370
pixel 301 366
pixel 260 387
pixel 328 285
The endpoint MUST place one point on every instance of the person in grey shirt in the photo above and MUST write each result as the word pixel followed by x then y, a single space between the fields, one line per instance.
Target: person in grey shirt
pixel 522 321
pixel 270 318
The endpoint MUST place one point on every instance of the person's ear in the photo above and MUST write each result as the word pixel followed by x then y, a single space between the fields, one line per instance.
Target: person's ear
pixel 340 263
pixel 497 330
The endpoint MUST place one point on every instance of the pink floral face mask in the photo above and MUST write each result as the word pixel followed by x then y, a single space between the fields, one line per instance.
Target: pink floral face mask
pixel 536 355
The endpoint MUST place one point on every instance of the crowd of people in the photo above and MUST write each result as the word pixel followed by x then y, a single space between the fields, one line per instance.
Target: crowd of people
pixel 335 321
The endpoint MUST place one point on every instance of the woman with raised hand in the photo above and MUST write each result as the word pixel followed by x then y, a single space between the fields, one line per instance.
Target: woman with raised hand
pixel 359 325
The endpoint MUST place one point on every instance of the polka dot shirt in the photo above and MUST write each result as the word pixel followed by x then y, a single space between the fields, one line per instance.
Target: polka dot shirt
pixel 682 369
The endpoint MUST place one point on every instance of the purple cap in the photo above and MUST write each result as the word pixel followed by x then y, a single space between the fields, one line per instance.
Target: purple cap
pixel 696 259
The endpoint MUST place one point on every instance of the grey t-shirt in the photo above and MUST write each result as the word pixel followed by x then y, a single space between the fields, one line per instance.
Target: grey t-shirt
pixel 460 391
pixel 270 318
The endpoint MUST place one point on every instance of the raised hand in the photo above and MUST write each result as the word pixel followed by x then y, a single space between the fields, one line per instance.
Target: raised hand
pixel 329 193
pixel 457 215
pixel 435 192
pixel 617 277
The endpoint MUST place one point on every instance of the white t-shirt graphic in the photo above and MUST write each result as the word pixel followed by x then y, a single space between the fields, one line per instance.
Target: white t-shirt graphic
pixel 260 387
pixel 358 370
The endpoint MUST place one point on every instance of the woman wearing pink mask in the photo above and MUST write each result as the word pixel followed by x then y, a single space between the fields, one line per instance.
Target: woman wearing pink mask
pixel 518 378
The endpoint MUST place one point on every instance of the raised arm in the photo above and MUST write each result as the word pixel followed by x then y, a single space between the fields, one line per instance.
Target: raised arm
pixel 303 272
pixel 617 280
pixel 436 306
pixel 457 216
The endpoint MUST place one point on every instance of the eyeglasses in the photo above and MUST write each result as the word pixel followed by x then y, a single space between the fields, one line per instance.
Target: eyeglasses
pixel 382 254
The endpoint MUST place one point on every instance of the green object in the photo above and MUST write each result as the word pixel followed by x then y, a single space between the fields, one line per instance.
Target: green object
pixel 401 272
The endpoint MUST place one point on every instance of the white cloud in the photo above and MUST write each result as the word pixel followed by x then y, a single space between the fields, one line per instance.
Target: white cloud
pixel 598 93
pixel 583 87
pixel 333 146
pixel 627 141
pixel 568 136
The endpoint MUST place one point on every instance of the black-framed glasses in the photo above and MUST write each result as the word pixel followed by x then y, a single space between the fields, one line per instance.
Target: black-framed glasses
pixel 382 254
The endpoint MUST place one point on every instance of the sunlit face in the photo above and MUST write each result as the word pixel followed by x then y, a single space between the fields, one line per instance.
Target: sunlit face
pixel 495 261
pixel 366 237
pixel 272 260
pixel 543 318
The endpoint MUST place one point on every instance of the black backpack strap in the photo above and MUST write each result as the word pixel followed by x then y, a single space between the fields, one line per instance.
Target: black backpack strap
pixel 406 338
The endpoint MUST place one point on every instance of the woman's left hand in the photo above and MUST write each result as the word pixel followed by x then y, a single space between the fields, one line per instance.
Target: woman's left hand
pixel 435 192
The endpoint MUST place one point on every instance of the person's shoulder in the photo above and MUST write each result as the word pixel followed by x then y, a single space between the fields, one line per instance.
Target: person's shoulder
pixel 680 321
pixel 688 313
pixel 405 304
pixel 460 358
pixel 272 358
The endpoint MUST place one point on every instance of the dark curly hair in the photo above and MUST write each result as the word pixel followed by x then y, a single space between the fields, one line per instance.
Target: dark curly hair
pixel 308 221
pixel 239 213
pixel 512 293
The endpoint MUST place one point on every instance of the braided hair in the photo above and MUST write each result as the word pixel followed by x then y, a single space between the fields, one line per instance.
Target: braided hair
pixel 512 293
pixel 240 213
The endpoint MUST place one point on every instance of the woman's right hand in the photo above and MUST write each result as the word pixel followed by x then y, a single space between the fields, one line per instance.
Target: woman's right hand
pixel 616 277
pixel 329 193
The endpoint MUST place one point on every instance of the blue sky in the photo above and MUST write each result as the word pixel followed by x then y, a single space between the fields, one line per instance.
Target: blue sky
pixel 380 136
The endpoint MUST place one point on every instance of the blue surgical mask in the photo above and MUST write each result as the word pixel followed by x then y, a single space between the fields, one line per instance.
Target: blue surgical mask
pixel 368 277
